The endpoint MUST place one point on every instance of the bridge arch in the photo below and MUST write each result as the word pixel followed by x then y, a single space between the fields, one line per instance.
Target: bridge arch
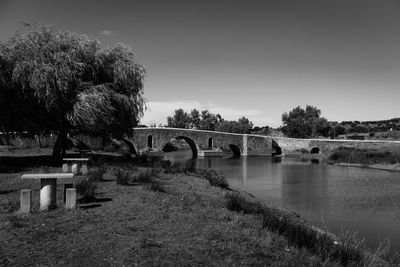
pixel 188 140
pixel 314 150
pixel 131 146
pixel 236 150
pixel 276 149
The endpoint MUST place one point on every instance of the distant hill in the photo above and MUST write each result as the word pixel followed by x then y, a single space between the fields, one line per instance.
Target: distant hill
pixel 381 130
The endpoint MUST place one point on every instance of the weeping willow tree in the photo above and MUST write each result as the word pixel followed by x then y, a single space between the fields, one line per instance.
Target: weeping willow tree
pixel 63 81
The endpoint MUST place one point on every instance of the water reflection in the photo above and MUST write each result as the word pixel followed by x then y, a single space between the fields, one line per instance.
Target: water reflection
pixel 244 171
pixel 305 188
pixel 355 199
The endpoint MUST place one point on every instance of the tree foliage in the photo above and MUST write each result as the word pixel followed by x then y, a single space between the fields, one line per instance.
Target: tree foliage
pixel 180 119
pixel 63 81
pixel 242 126
pixel 304 123
pixel 209 121
pixel 205 120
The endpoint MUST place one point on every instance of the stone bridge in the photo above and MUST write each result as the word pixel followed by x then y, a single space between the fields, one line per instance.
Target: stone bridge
pixel 199 140
pixel 246 145
pixel 292 145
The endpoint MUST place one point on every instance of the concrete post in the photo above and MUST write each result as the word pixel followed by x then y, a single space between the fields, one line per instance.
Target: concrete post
pixel 26 201
pixel 84 168
pixel 48 193
pixel 75 168
pixel 66 186
pixel 70 202
pixel 65 167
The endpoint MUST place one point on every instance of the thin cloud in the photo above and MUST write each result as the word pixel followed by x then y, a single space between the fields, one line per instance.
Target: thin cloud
pixel 158 112
pixel 106 32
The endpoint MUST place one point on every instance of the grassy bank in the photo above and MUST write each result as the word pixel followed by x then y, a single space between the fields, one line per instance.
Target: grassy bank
pixel 366 156
pixel 141 216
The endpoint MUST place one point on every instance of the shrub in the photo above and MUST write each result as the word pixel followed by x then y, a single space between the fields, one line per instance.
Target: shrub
pixel 124 177
pixel 235 202
pixel 10 206
pixel 86 188
pixel 144 177
pixel 15 221
pixel 214 178
pixel 155 186
pixel 219 181
pixel 96 174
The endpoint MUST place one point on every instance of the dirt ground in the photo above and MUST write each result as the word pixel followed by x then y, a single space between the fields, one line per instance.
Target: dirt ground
pixel 187 224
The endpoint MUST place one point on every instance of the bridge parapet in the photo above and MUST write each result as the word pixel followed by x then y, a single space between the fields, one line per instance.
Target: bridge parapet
pixel 289 145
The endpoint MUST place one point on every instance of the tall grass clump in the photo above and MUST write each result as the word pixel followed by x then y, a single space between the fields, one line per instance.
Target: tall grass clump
pixel 15 221
pixel 10 206
pixel 179 167
pixel 124 177
pixel 128 177
pixel 214 178
pixel 155 186
pixel 235 202
pixel 145 177
pixel 96 174
pixel 86 188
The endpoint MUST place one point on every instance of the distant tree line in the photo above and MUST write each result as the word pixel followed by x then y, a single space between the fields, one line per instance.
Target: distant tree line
pixel 205 120
pixel 308 123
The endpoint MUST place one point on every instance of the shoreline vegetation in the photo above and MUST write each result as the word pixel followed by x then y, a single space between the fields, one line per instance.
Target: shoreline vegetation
pixel 149 213
pixel 383 158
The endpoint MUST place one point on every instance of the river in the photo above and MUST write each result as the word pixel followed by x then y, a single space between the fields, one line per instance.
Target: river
pixel 352 199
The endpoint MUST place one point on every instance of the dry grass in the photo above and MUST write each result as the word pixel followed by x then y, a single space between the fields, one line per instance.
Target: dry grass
pixel 365 156
pixel 187 226
pixel 214 178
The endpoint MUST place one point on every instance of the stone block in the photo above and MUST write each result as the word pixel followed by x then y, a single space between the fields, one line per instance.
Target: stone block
pixel 70 202
pixel 75 168
pixel 26 201
pixel 48 194
pixel 66 186
pixel 84 168
pixel 65 167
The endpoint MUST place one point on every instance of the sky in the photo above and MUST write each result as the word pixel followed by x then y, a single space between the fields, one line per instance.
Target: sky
pixel 257 59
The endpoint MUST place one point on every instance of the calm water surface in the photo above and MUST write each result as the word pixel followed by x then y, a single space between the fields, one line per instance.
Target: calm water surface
pixel 341 198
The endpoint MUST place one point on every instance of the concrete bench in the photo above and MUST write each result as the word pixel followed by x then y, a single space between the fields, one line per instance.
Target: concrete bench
pixel 78 165
pixel 48 186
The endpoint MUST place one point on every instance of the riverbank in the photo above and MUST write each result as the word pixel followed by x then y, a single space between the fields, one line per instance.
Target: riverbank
pixel 378 166
pixel 187 224
pixel 384 158
pixel 177 219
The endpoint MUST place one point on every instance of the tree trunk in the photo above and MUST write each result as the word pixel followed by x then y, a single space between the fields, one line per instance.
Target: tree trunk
pixel 60 144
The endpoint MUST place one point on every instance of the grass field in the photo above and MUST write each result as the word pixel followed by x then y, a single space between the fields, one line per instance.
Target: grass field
pixel 141 216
